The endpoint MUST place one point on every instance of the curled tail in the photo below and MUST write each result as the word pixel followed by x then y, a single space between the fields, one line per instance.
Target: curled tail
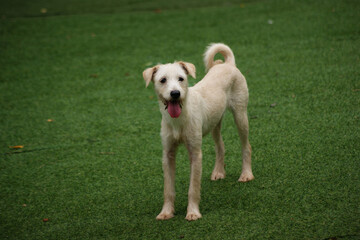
pixel 215 48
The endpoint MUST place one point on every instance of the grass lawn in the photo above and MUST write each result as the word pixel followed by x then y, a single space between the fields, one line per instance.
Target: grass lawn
pixel 72 94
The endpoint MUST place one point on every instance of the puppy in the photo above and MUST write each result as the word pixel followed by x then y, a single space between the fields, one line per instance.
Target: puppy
pixel 189 113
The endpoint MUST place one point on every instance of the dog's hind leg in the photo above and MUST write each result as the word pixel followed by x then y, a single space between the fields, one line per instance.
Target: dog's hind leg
pixel 219 169
pixel 242 123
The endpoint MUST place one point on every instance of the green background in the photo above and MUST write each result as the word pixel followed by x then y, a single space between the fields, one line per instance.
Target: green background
pixel 94 171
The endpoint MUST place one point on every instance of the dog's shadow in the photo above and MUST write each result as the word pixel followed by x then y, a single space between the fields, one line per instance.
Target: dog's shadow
pixel 224 195
pixel 217 197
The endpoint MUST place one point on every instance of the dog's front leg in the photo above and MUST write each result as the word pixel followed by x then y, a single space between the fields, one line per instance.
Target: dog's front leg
pixel 195 154
pixel 168 162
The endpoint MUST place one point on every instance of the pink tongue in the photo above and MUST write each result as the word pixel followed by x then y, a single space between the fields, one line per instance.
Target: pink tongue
pixel 174 109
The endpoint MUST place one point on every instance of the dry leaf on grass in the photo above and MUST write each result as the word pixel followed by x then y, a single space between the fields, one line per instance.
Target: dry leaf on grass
pixel 16 147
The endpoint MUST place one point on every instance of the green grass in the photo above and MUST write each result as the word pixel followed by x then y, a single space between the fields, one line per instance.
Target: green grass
pixel 95 170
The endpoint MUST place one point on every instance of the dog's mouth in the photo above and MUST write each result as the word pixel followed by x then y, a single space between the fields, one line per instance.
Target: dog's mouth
pixel 173 107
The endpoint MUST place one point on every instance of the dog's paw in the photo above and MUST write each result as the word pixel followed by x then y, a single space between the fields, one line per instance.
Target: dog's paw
pixel 216 175
pixel 165 216
pixel 192 216
pixel 246 177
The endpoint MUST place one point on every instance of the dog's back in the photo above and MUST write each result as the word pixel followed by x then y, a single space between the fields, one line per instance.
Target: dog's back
pixel 220 75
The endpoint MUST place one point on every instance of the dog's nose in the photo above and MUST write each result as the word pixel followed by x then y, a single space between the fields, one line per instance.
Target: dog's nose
pixel 175 94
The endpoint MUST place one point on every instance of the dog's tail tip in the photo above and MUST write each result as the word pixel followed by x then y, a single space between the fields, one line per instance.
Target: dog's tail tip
pixel 215 48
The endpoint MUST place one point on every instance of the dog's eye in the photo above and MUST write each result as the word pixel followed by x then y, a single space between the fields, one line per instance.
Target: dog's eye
pixel 163 80
pixel 181 79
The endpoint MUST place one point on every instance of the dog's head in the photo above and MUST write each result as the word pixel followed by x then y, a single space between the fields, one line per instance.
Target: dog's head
pixel 171 83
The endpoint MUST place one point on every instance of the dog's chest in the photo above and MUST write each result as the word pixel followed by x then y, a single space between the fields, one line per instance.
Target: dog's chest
pixel 174 129
pixel 177 132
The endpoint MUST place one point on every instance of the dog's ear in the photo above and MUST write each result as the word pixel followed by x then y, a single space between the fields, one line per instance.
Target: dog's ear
pixel 189 68
pixel 148 74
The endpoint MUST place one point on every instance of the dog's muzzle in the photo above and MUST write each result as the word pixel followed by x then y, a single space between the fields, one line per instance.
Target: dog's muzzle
pixel 174 105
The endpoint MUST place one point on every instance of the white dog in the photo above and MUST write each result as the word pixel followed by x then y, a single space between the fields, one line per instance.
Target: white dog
pixel 189 113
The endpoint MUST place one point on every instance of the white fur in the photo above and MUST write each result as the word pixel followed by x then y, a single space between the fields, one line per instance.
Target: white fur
pixel 203 107
pixel 215 48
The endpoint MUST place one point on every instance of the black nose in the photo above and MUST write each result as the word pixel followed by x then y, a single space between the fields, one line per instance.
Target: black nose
pixel 175 94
